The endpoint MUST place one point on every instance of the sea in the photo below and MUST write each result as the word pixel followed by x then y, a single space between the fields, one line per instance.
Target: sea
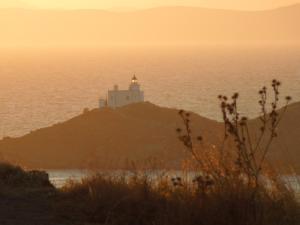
pixel 43 86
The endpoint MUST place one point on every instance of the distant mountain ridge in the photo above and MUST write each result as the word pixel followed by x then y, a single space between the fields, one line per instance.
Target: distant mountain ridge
pixel 164 25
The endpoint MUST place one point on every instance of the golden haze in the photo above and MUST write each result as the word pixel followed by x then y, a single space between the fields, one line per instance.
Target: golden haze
pixel 158 26
pixel 118 4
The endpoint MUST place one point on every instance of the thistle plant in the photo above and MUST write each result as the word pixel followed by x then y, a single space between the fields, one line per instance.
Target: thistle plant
pixel 249 151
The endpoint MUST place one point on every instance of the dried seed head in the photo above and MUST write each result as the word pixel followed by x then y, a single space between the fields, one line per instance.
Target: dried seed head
pixel 178 130
pixel 199 138
pixel 288 98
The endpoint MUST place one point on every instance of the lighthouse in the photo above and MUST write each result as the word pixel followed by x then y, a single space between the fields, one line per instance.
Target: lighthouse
pixel 117 98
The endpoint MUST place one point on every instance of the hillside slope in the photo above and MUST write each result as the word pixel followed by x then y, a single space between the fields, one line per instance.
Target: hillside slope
pixel 286 147
pixel 107 138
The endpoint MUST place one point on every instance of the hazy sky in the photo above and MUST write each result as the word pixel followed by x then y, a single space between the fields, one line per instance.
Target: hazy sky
pixel 135 4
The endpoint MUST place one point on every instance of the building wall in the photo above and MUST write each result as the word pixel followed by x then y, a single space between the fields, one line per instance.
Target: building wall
pixel 102 103
pixel 118 98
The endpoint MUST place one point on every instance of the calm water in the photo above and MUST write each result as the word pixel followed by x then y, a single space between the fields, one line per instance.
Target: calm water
pixel 60 177
pixel 41 87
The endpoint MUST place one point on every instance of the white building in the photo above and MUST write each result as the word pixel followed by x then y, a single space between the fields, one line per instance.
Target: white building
pixel 117 98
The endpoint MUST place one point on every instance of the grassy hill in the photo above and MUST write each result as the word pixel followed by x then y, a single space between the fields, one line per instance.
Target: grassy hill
pixel 109 138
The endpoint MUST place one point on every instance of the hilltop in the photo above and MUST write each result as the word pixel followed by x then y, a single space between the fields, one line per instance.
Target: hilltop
pixel 163 25
pixel 108 138
pixel 111 138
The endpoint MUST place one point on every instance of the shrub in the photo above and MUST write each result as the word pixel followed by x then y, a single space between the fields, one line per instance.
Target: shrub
pixel 15 177
pixel 240 173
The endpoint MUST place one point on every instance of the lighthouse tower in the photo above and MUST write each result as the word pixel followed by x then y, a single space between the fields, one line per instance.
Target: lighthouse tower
pixel 117 98
pixel 134 86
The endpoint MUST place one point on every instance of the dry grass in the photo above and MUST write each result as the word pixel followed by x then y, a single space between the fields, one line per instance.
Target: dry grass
pixel 140 200
pixel 149 198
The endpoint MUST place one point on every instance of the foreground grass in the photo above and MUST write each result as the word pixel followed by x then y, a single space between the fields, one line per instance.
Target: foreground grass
pixel 139 200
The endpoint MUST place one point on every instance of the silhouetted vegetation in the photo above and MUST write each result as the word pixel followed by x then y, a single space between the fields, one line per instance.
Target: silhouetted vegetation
pixel 137 200
pixel 15 177
pixel 242 164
